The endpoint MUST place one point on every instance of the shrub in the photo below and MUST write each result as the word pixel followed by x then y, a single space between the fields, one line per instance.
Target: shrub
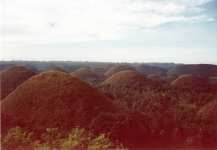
pixel 18 139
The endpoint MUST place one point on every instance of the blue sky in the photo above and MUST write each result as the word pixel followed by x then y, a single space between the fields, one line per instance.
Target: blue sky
pixel 182 31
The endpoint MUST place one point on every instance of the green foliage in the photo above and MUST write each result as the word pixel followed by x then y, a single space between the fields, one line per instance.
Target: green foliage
pixel 51 139
pixel 15 138
pixel 77 139
pixel 100 143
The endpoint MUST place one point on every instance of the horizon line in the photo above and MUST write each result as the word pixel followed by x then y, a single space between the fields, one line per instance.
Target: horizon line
pixel 91 61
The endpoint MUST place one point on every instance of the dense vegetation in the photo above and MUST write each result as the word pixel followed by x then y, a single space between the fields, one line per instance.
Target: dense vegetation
pixel 76 139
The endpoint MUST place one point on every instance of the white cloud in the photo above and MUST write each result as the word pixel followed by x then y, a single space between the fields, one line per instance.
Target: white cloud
pixel 44 21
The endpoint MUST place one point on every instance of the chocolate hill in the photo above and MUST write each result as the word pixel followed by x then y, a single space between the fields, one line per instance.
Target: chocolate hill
pixel 205 70
pixel 86 74
pixel 190 81
pixel 126 87
pixel 117 68
pixel 57 69
pixel 127 78
pixel 129 128
pixel 100 71
pixel 154 77
pixel 208 113
pixel 146 70
pixel 13 77
pixel 53 99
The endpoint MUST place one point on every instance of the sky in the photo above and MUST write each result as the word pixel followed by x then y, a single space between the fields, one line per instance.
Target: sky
pixel 181 31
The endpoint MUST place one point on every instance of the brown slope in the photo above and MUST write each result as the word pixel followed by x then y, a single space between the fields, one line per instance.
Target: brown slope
pixel 53 99
pixel 129 128
pixel 147 69
pixel 100 71
pixel 154 77
pixel 208 113
pixel 12 77
pixel 86 74
pixel 190 81
pixel 127 87
pixel 57 69
pixel 128 78
pixel 117 68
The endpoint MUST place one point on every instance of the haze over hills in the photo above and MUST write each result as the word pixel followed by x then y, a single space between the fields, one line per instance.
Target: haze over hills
pixel 172 68
pixel 205 70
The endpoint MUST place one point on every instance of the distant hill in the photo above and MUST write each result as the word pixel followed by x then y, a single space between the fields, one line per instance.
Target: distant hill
pixel 118 68
pixel 205 70
pixel 100 71
pixel 192 82
pixel 12 77
pixel 165 66
pixel 208 113
pixel 56 69
pixel 127 78
pixel 5 65
pixel 86 74
pixel 126 86
pixel 147 70
pixel 155 77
